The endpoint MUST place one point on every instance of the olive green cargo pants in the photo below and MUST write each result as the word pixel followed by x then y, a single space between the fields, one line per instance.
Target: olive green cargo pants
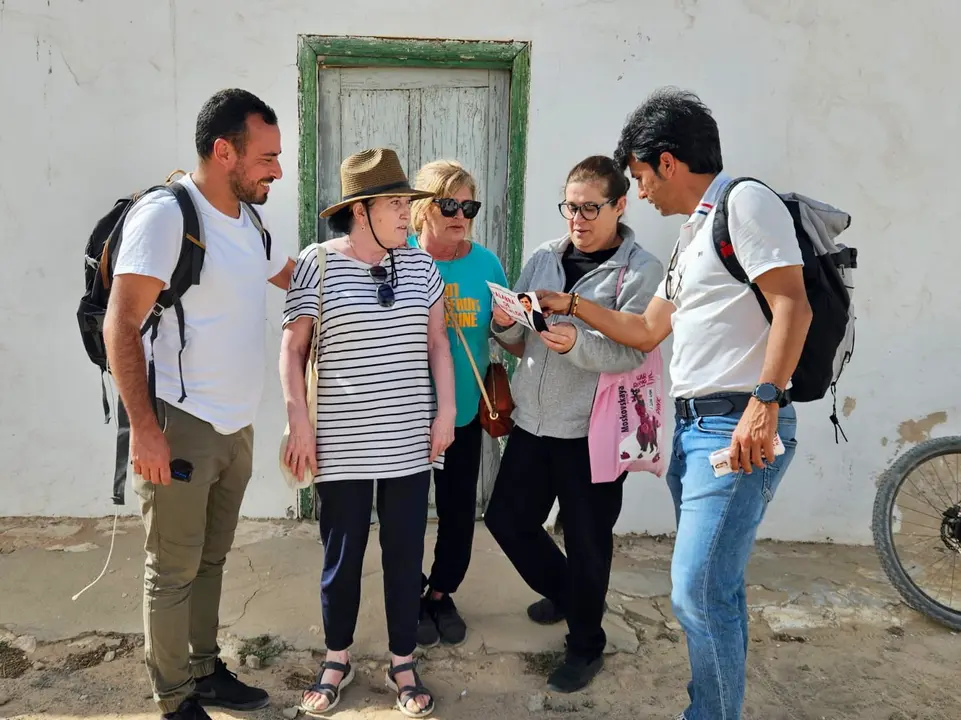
pixel 190 527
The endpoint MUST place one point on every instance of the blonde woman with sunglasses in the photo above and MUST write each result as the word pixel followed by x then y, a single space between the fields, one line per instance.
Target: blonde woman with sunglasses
pixel 443 224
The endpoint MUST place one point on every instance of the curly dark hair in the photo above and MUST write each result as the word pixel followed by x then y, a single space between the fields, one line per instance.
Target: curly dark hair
pixel 673 121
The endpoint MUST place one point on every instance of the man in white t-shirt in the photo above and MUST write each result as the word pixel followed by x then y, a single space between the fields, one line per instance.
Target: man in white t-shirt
pixel 207 390
pixel 730 375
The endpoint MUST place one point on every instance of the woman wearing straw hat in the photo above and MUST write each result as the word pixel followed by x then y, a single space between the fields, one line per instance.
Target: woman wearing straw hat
pixel 382 339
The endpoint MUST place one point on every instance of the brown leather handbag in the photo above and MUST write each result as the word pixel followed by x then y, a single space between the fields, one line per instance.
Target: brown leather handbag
pixel 496 403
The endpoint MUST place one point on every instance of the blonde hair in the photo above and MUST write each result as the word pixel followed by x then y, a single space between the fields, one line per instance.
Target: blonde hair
pixel 443 178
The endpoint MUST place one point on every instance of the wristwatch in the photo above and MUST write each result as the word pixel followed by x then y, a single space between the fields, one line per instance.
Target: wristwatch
pixel 768 393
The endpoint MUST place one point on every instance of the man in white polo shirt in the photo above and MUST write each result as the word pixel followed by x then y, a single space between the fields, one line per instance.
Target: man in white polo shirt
pixel 207 389
pixel 730 375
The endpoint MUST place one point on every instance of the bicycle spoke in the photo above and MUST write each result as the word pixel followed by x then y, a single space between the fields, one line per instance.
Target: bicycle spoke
pixel 953 568
pixel 947 495
pixel 924 539
pixel 924 497
pixel 957 485
pixel 945 578
pixel 918 512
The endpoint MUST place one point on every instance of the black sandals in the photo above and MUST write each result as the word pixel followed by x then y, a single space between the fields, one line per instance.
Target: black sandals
pixel 408 692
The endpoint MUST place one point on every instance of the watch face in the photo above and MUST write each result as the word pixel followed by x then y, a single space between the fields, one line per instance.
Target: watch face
pixel 766 393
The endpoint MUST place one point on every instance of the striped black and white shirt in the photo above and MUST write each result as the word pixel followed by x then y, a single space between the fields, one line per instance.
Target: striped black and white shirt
pixel 375 400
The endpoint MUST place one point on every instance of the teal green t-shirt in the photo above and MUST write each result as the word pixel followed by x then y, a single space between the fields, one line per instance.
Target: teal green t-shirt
pixel 466 288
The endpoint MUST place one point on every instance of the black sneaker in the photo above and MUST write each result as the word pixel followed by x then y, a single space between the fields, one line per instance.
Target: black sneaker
pixel 450 625
pixel 427 634
pixel 189 710
pixel 545 612
pixel 574 674
pixel 223 689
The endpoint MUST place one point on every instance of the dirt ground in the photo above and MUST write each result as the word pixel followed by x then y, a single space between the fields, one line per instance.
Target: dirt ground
pixel 829 639
pixel 841 674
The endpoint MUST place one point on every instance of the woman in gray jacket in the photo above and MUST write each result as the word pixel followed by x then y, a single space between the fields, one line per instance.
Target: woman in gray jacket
pixel 553 388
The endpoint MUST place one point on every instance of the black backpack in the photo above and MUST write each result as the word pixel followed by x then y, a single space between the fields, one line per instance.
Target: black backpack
pixel 828 281
pixel 100 256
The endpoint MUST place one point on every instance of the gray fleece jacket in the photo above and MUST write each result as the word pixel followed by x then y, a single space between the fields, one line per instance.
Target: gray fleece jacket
pixel 554 393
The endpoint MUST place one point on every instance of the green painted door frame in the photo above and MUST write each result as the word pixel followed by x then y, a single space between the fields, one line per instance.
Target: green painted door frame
pixel 316 52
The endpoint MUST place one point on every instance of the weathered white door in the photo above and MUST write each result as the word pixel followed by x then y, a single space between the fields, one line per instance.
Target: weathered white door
pixel 423 115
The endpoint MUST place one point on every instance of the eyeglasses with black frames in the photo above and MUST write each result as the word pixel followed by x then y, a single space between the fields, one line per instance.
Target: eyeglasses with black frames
pixel 588 210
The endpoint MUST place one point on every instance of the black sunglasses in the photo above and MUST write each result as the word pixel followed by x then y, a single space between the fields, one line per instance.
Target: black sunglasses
pixel 449 207
pixel 385 293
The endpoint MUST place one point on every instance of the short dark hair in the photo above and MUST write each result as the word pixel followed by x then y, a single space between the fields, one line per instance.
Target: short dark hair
pixel 524 295
pixel 673 121
pixel 225 115
pixel 600 168
pixel 342 221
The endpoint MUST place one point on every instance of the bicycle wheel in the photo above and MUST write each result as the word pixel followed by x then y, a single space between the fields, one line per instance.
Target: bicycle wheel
pixel 917 528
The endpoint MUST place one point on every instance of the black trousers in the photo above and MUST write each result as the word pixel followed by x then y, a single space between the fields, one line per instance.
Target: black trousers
pixel 455 496
pixel 533 472
pixel 344 527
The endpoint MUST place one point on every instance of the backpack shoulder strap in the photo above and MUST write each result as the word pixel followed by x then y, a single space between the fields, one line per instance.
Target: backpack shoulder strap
pixel 193 247
pixel 259 224
pixel 186 273
pixel 721 234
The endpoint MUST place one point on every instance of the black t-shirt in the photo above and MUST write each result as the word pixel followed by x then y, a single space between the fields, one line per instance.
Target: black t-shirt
pixel 577 264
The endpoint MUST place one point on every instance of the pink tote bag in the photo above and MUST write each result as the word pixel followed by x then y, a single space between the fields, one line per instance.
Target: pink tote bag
pixel 627 429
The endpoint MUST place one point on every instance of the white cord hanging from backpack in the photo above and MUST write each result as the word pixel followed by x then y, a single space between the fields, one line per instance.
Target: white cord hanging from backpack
pixel 116 514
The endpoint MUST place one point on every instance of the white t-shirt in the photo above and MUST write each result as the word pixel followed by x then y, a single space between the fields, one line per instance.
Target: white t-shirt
pixel 720 332
pixel 225 315
pixel 375 399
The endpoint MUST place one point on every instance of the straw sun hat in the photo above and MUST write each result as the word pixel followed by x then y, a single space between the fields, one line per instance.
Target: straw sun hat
pixel 370 174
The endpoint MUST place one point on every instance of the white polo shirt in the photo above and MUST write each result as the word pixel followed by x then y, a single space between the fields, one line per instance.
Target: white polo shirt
pixel 720 332
pixel 224 316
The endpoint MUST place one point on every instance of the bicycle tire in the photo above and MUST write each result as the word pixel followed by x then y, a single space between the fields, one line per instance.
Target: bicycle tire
pixel 888 486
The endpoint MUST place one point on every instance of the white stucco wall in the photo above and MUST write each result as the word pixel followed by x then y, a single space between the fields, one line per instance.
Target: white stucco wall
pixel 856 105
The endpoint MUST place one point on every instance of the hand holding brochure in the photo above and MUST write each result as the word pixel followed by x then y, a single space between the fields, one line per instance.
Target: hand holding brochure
pixel 522 307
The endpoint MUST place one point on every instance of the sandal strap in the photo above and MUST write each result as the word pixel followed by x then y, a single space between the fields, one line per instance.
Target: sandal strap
pixel 409 692
pixel 394 669
pixel 329 689
pixel 336 666
pixel 326 689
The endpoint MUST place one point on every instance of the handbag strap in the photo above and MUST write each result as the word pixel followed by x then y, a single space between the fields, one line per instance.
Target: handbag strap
pixel 321 269
pixel 470 357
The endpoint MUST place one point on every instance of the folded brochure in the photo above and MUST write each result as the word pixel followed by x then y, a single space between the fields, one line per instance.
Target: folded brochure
pixel 521 307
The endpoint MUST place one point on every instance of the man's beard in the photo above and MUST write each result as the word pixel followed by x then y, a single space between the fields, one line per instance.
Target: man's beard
pixel 248 191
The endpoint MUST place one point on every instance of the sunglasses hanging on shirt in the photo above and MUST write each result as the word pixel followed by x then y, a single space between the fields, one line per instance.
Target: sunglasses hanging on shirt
pixel 385 293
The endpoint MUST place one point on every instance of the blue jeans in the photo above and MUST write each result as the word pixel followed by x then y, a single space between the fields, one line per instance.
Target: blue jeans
pixel 717 520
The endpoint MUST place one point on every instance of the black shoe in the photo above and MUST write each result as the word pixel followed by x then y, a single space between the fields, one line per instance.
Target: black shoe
pixel 189 710
pixel 574 674
pixel 427 634
pixel 223 689
pixel 450 625
pixel 545 612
